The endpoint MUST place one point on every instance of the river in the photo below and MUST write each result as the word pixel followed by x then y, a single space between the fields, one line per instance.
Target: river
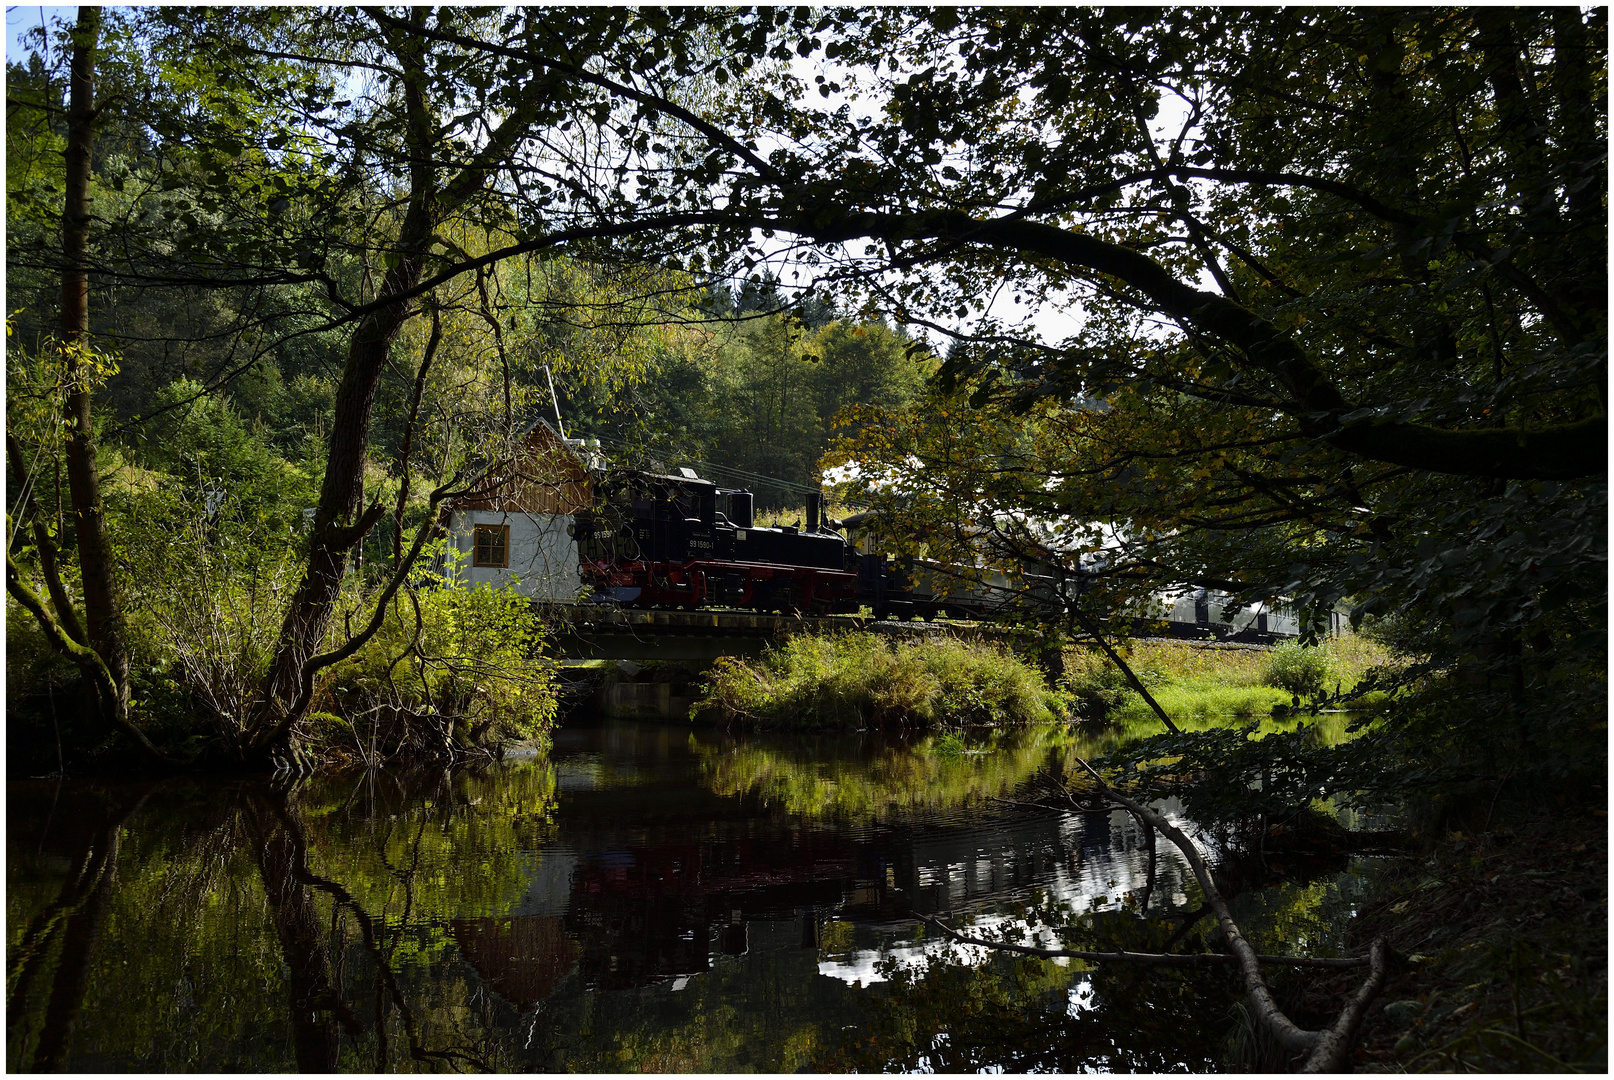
pixel 642 897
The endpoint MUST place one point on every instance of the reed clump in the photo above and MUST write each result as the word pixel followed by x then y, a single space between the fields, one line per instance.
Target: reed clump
pixel 862 680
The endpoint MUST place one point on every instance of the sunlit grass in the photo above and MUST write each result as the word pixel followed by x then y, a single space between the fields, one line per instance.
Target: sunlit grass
pixel 1199 685
pixel 1203 699
pixel 860 680
pixel 1350 657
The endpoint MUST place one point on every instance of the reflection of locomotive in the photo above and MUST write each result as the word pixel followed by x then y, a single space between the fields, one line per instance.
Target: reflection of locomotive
pixel 680 541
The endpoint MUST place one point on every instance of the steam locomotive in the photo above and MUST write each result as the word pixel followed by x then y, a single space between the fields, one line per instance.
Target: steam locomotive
pixel 680 541
pixel 566 521
pixel 661 541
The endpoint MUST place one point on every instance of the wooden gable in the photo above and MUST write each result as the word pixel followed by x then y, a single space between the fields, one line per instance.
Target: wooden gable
pixel 545 477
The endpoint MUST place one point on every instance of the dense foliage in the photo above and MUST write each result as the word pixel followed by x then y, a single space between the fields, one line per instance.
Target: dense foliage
pixel 233 252
pixel 1341 279
pixel 285 282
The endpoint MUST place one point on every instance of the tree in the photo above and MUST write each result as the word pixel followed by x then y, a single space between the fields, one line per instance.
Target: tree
pixel 521 126
pixel 1373 238
pixel 1346 310
pixel 97 643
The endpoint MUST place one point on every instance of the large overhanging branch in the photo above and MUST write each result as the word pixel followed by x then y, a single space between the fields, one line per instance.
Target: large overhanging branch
pixel 1325 1050
pixel 1568 330
pixel 1554 452
pixel 1566 327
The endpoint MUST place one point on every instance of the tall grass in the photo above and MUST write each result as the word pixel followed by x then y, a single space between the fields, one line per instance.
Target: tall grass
pixel 858 680
pixel 1196 683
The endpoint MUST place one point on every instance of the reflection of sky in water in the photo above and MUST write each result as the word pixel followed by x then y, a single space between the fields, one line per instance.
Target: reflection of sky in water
pixel 1095 860
pixel 578 773
pixel 866 966
pixel 1080 996
pixel 988 862
pixel 548 877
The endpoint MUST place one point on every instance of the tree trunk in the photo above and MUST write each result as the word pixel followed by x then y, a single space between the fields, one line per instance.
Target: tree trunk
pixel 1325 1050
pixel 339 521
pixel 103 622
pixel 79 939
pixel 68 930
pixel 339 524
pixel 314 997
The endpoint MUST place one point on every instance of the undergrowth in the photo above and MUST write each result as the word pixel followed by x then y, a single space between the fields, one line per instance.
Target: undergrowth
pixel 1505 935
pixel 450 670
pixel 859 680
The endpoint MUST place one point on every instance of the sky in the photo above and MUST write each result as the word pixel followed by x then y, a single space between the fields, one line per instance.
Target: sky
pixel 21 19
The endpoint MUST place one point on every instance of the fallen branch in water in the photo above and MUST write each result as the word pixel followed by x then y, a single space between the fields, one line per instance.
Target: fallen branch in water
pixel 1162 959
pixel 1326 1050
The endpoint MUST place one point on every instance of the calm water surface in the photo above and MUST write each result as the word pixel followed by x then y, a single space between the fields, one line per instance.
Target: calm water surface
pixel 642 898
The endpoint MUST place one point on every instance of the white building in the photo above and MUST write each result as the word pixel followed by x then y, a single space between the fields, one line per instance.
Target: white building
pixel 518 526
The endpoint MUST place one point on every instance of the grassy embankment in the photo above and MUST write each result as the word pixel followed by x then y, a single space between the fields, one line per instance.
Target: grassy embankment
pixel 864 680
pixel 457 672
pixel 1200 685
pixel 860 680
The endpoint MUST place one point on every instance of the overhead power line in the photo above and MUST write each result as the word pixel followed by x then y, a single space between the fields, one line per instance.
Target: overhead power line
pixel 731 471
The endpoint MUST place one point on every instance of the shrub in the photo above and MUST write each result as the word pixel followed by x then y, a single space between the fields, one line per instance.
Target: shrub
pixel 213 611
pixel 450 670
pixel 1096 686
pixel 859 679
pixel 207 604
pixel 1298 669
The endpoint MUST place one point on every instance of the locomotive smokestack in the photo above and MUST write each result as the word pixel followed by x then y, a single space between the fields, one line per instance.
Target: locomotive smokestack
pixel 813 502
pixel 740 507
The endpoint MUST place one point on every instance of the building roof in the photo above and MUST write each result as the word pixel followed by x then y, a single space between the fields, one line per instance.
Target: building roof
pixel 545 475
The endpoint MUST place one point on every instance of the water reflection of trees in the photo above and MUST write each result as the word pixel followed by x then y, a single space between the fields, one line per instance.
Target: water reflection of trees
pixel 850 779
pixel 1028 1014
pixel 388 922
pixel 64 932
pixel 262 929
pixel 1019 1014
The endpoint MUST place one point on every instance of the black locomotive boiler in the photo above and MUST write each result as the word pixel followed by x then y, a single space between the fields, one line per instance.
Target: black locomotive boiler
pixel 680 541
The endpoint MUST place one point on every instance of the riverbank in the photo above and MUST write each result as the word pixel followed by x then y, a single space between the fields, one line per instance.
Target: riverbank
pixel 1202 684
pixel 854 680
pixel 1505 936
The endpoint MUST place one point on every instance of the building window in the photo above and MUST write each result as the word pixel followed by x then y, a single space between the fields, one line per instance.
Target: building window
pixel 492 546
